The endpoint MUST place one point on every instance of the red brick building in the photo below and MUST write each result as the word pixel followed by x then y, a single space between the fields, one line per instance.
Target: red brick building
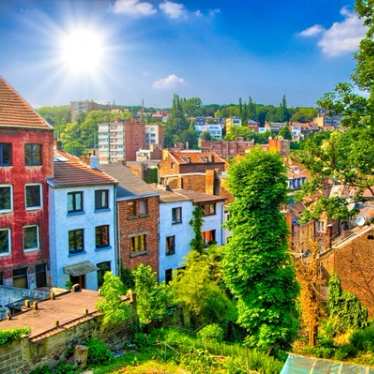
pixel 26 154
pixel 138 218
pixel 227 148
pixel 188 161
pixel 134 138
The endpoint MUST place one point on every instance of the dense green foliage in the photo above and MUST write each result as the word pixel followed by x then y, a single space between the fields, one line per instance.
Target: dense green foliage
pixel 98 352
pixel 285 133
pixel 257 266
pixel 346 155
pixel 178 128
pixel 246 133
pixel 152 298
pixel 8 336
pixel 55 115
pixel 199 290
pixel 211 332
pixel 115 311
pixel 345 310
pixel 197 243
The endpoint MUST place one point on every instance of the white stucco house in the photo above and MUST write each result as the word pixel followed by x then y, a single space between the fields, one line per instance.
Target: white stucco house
pixel 82 223
pixel 176 233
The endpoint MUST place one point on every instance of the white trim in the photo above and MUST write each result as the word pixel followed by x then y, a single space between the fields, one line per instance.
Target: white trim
pixel 9 242
pixel 2 211
pixel 41 196
pixel 38 239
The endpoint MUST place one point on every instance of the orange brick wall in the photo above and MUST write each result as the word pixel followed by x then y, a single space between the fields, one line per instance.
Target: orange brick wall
pixel 354 265
pixel 129 226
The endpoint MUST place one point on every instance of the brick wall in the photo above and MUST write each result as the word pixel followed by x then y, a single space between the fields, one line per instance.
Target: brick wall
pixel 130 226
pixel 226 149
pixel 354 265
pixel 134 139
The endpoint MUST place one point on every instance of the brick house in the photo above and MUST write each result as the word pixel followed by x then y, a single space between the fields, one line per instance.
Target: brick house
pixel 227 149
pixel 351 257
pixel 26 153
pixel 189 161
pixel 138 218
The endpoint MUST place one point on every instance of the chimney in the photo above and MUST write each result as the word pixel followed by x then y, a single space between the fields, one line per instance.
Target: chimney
pixel 210 177
pixel 94 161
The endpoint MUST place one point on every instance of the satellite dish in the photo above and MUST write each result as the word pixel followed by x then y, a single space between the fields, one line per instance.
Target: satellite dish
pixel 360 221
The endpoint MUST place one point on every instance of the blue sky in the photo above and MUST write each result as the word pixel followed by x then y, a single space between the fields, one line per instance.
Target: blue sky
pixel 217 50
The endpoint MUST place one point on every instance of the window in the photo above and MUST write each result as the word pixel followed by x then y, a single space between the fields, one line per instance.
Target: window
pixel 101 199
pixel 168 275
pixel 209 209
pixel 33 196
pixel 132 208
pixel 102 236
pixel 41 275
pixel 1 278
pixel 4 242
pixel 176 215
pixel 139 244
pixel 6 200
pixel 5 154
pixel 31 238
pixel 20 278
pixel 75 202
pixel 76 241
pixel 209 237
pixel 33 154
pixel 143 207
pixel 170 245
pixel 102 267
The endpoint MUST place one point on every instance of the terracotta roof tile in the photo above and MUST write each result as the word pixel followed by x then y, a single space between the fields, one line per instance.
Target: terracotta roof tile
pixel 16 112
pixel 196 157
pixel 71 171
pixel 199 197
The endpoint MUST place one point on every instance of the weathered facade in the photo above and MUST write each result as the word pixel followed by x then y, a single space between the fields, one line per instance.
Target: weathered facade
pixel 26 146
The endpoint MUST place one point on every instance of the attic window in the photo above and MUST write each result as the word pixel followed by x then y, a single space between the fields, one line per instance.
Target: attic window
pixel 371 237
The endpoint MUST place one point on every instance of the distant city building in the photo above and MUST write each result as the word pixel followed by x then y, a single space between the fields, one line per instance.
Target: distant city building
pixel 111 142
pixel 26 146
pixel 274 127
pixel 82 219
pixel 214 130
pixel 154 135
pixel 227 148
pixel 232 122
pixel 323 120
pixel 77 108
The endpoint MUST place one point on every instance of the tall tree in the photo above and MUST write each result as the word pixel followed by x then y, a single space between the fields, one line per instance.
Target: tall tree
pixel 257 266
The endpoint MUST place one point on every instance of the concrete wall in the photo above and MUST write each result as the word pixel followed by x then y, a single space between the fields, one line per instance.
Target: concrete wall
pixel 61 222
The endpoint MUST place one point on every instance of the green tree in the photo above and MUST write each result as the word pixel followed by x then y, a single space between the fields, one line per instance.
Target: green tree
pixel 198 288
pixel 115 310
pixel 257 266
pixel 285 133
pixel 152 298
pixel 197 243
pixel 304 114
pixel 345 155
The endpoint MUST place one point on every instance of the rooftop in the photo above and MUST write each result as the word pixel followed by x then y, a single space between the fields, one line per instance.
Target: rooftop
pixel 130 186
pixel 199 197
pixel 70 171
pixel 171 196
pixel 196 157
pixel 65 308
pixel 16 112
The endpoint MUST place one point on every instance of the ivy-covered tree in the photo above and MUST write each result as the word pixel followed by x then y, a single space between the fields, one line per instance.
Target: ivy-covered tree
pixel 257 266
pixel 197 242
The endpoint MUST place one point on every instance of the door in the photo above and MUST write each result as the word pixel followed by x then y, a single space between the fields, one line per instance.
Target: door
pixel 81 280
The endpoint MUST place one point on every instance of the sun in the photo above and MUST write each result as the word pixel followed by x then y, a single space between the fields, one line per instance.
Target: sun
pixel 82 50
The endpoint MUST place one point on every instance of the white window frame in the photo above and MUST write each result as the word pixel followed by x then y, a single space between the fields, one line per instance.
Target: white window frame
pixel 9 241
pixel 41 196
pixel 38 238
pixel 11 199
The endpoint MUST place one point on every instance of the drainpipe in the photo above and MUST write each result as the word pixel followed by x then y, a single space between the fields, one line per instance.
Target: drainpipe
pixel 116 235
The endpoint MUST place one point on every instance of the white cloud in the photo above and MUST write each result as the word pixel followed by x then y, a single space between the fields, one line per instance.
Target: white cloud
pixel 312 31
pixel 172 9
pixel 342 37
pixel 134 8
pixel 172 81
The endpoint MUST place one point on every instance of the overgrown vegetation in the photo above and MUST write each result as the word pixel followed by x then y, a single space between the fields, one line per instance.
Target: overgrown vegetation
pixel 8 336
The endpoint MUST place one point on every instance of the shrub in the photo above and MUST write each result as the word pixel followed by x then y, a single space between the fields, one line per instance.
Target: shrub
pixel 363 340
pixel 345 351
pixel 98 352
pixel 42 370
pixel 11 335
pixel 211 332
pixel 65 368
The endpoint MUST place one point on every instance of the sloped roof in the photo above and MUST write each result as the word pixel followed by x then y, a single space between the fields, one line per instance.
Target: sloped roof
pixel 16 112
pixel 70 171
pixel 199 197
pixel 130 186
pixel 196 157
